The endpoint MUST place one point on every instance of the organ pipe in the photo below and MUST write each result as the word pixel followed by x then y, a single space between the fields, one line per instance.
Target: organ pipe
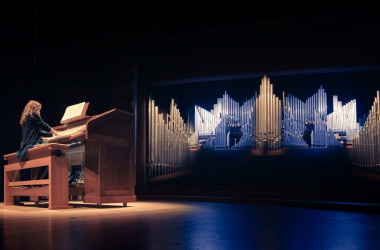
pixel 343 119
pixel 168 142
pixel 267 119
pixel 366 146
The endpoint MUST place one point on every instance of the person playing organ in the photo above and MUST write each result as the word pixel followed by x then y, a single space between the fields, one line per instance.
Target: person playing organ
pixel 33 128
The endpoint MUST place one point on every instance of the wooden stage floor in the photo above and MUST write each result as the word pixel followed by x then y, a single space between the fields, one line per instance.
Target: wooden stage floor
pixel 154 224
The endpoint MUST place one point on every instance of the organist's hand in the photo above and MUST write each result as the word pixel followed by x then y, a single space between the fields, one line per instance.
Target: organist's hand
pixel 55 133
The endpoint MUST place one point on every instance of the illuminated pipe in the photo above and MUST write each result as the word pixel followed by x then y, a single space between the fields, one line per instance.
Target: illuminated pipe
pixel 168 145
pixel 366 145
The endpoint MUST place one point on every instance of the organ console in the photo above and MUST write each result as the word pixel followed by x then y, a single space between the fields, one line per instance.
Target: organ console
pixel 102 149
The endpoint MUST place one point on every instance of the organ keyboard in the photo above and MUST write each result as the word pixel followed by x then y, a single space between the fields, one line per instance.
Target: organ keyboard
pixel 68 133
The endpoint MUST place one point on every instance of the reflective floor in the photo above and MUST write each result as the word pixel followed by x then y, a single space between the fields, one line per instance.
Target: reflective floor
pixel 186 225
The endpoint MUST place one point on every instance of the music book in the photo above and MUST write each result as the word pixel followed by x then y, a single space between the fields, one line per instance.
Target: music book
pixel 75 113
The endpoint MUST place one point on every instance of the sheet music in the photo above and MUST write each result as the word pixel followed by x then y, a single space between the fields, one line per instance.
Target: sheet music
pixel 75 112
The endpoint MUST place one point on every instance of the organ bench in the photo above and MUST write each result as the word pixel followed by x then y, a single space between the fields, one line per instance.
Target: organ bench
pixel 55 186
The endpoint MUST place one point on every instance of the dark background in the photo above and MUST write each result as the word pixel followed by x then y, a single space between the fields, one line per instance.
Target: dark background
pixel 63 53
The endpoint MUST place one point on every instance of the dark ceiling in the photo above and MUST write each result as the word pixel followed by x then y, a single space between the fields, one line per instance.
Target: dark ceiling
pixel 275 34
pixel 86 43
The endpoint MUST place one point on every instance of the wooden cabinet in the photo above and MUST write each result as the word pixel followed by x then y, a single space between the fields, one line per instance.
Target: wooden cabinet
pixel 109 162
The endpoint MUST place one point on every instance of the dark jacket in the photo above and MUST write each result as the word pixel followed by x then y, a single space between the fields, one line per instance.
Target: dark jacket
pixel 33 129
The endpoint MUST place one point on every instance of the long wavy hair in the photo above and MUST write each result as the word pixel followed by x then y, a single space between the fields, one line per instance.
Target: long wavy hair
pixel 30 107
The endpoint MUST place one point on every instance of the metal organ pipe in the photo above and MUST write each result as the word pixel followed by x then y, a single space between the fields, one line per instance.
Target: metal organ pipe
pixel 296 113
pixel 168 142
pixel 366 145
pixel 293 121
pixel 246 121
pixel 267 118
pixel 343 119
pixel 316 111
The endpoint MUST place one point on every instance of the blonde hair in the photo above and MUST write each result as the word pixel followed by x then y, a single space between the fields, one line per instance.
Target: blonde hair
pixel 30 107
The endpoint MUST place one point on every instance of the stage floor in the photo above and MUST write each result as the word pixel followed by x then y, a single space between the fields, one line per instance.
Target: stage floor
pixel 185 225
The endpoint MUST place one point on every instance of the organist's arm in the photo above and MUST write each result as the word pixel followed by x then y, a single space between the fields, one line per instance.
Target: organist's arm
pixel 48 135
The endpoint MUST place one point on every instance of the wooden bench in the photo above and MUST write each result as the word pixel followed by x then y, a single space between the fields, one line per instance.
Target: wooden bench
pixel 55 187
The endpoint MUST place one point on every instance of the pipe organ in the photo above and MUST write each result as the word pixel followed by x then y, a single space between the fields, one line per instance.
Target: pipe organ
pixel 343 121
pixel 296 113
pixel 261 124
pixel 227 126
pixel 366 146
pixel 168 144
pixel 316 111
pixel 267 132
pixel 247 125
pixel 228 129
pixel 205 121
pixel 266 124
pixel 293 121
